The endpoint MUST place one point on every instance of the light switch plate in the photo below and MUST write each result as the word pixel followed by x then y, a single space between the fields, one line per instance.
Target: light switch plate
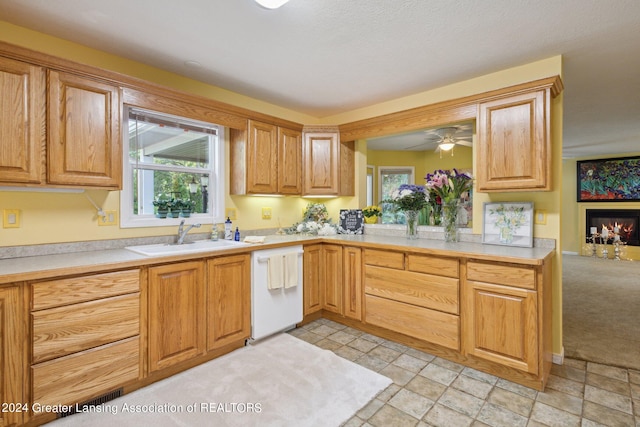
pixel 11 218
pixel 266 213
pixel 109 218
pixel 540 217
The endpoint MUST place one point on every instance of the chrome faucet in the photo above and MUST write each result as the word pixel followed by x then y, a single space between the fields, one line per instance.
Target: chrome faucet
pixel 183 233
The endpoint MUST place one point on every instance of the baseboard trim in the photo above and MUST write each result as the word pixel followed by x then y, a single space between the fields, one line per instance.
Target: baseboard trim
pixel 558 359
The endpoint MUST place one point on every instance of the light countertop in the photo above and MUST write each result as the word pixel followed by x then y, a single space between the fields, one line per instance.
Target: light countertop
pixel 44 266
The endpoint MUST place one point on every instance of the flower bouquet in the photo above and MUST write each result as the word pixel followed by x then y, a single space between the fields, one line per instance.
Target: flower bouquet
pixel 410 199
pixel 448 187
pixel 315 221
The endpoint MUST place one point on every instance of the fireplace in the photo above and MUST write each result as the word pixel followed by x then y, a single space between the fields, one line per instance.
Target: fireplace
pixel 626 221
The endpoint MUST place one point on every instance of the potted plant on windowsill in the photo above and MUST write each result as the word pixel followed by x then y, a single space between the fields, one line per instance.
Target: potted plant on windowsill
pixel 185 206
pixel 162 207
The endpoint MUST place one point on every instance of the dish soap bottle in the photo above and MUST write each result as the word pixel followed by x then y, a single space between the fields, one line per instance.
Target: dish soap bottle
pixel 237 235
pixel 228 234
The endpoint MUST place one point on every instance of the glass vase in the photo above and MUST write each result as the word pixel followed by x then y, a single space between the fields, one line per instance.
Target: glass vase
pixel 412 223
pixel 450 220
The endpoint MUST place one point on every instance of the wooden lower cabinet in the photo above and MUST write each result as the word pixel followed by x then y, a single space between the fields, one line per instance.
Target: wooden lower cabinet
pixel 85 338
pixel 331 278
pixel 312 267
pixel 176 313
pixel 502 325
pixel 228 300
pixel 11 356
pixel 352 282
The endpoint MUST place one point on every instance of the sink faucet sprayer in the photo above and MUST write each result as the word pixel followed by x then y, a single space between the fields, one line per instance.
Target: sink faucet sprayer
pixel 183 233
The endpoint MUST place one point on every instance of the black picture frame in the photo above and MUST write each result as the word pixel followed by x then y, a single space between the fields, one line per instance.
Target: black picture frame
pixel 351 221
pixel 608 180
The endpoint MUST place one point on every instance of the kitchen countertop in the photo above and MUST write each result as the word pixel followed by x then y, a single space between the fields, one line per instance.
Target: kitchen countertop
pixel 46 266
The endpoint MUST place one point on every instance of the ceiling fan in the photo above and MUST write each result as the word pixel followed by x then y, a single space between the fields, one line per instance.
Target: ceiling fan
pixel 447 137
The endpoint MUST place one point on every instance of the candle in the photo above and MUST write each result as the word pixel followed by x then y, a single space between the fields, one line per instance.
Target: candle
pixel 616 229
pixel 594 230
pixel 605 232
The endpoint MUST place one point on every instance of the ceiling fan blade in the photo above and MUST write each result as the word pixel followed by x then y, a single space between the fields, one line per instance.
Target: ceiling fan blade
pixel 464 142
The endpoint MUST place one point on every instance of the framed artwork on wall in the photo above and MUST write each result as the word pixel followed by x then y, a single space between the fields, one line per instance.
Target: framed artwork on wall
pixel 609 180
pixel 508 223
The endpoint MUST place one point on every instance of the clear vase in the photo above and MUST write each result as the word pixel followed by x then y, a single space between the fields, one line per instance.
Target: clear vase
pixel 412 224
pixel 450 220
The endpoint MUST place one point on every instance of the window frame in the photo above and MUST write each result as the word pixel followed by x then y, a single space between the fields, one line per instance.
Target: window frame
pixel 216 187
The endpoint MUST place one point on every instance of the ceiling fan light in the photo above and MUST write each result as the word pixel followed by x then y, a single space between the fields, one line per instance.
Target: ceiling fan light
pixel 446 146
pixel 271 4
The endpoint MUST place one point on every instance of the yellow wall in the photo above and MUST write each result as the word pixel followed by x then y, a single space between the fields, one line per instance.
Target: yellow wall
pixel 70 217
pixel 574 213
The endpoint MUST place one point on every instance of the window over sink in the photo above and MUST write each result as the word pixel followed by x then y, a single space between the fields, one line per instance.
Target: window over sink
pixel 172 170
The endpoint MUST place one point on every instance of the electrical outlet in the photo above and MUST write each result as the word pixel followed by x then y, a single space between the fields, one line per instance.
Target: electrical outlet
pixel 109 218
pixel 540 217
pixel 266 213
pixel 230 213
pixel 11 218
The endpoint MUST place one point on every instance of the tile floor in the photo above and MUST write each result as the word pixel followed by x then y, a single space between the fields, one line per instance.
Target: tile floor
pixel 430 391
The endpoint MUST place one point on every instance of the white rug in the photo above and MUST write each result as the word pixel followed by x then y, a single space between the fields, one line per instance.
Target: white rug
pixel 280 381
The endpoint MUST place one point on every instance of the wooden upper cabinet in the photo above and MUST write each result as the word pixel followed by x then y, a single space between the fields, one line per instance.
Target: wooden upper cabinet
pixel 265 159
pixel 514 143
pixel 321 154
pixel 262 155
pixel 289 161
pixel 84 132
pixel 22 122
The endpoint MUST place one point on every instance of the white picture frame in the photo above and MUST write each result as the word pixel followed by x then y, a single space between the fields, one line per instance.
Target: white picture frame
pixel 508 224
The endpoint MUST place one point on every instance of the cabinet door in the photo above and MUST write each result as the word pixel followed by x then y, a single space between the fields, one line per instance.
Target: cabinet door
pixel 321 164
pixel 22 122
pixel 312 266
pixel 352 282
pixel 228 300
pixel 331 278
pixel 11 351
pixel 84 132
pixel 262 158
pixel 176 313
pixel 514 143
pixel 501 325
pixel 289 161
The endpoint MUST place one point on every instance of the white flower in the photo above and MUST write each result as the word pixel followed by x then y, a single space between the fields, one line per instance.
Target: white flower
pixel 327 230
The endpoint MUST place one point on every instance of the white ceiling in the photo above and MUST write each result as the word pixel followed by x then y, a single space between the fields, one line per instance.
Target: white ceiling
pixel 324 57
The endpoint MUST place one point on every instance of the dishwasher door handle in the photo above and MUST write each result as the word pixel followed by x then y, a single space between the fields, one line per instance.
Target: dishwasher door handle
pixel 265 259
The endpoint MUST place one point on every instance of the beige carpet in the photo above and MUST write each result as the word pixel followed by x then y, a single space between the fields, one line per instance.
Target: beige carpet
pixel 280 381
pixel 601 310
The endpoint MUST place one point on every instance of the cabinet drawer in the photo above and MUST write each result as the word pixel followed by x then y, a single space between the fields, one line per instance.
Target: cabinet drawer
pixel 85 375
pixel 54 293
pixel 428 325
pixel 384 258
pixel 508 275
pixel 440 266
pixel 69 329
pixel 425 290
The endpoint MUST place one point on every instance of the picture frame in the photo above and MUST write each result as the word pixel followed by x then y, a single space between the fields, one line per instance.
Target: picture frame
pixel 508 224
pixel 351 221
pixel 608 180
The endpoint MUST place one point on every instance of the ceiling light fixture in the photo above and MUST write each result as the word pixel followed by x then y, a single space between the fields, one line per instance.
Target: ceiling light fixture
pixel 446 146
pixel 271 4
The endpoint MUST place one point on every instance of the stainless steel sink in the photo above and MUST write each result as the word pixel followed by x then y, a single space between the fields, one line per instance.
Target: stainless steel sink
pixel 186 248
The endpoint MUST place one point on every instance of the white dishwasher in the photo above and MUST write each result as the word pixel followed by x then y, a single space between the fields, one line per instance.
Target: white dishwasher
pixel 274 310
